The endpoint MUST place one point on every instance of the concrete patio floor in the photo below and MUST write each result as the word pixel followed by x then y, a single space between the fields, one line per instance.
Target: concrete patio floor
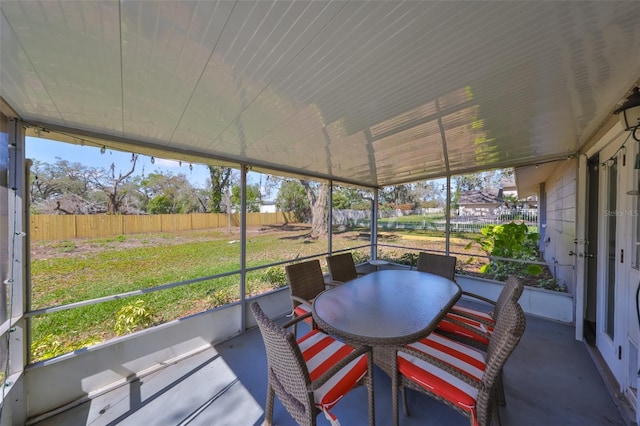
pixel 550 380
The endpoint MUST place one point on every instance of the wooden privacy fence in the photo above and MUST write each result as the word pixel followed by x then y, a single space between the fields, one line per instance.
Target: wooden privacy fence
pixel 62 227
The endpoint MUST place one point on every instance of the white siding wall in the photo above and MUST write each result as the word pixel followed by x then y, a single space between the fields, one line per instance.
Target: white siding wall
pixel 561 222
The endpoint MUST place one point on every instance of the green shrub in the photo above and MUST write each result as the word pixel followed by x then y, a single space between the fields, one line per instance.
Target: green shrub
pixel 359 257
pixel 401 258
pixel 408 258
pixel 510 241
pixel 224 296
pixel 51 346
pixel 275 275
pixel 551 284
pixel 132 317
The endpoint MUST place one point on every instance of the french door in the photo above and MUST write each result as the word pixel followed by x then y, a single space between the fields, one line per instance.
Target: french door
pixel 631 269
pixel 618 264
pixel 609 333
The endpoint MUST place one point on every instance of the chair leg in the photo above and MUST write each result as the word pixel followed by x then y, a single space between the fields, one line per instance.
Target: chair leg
pixel 404 401
pixel 495 412
pixel 372 406
pixel 268 412
pixel 394 388
pixel 500 397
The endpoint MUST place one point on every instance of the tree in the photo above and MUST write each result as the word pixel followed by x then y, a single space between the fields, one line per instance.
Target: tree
pixel 482 180
pixel 348 198
pixel 160 204
pixel 64 187
pixel 496 178
pixel 431 194
pixel 114 187
pixel 292 198
pixel 317 194
pixel 168 193
pixel 470 182
pixel 220 180
pixel 52 180
pixel 400 196
pixel 252 194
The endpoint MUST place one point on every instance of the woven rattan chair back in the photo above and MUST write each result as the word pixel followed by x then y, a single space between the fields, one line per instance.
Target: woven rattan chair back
pixel 511 291
pixel 438 264
pixel 506 335
pixel 305 279
pixel 287 373
pixel 341 267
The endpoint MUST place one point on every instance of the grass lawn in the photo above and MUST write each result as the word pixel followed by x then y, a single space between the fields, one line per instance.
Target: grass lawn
pixel 65 272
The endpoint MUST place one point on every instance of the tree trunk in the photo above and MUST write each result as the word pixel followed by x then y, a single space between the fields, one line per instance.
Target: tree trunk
pixel 319 209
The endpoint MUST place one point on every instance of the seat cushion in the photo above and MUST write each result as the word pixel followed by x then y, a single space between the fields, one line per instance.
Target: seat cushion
pixel 473 313
pixel 321 352
pixel 302 310
pixel 467 360
pixel 451 327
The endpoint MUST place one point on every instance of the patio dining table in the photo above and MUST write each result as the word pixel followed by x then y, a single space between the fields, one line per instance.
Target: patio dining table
pixel 384 310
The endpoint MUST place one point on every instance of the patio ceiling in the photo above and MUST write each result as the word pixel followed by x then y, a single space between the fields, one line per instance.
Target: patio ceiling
pixel 366 92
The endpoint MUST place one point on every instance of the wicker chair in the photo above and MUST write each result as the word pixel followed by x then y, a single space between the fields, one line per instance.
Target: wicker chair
pixel 466 382
pixel 298 373
pixel 342 268
pixel 475 327
pixel 306 281
pixel 438 264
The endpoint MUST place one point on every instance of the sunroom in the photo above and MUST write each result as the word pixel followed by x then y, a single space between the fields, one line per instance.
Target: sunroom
pixel 341 95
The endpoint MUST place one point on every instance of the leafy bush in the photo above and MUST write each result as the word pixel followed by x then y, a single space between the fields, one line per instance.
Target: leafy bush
pixel 551 284
pixel 275 275
pixel 51 346
pixel 408 258
pixel 359 257
pixel 510 241
pixel 403 258
pixel 132 317
pixel 223 296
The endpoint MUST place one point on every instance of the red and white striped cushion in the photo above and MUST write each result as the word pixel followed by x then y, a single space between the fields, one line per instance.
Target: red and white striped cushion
pixel 467 360
pixel 301 310
pixel 483 316
pixel 321 351
pixel 451 327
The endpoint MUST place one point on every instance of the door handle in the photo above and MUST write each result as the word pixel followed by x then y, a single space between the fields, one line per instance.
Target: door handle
pixel 589 255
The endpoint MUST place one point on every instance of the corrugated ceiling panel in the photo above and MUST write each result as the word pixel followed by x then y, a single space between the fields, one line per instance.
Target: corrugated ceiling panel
pixel 414 151
pixel 19 81
pixel 259 40
pixel 74 48
pixel 165 49
pixel 351 90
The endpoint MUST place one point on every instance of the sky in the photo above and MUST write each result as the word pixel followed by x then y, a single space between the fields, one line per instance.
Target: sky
pixel 46 151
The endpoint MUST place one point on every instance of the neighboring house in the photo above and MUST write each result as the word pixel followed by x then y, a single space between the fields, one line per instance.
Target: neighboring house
pixel 268 206
pixel 479 202
pixel 510 191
